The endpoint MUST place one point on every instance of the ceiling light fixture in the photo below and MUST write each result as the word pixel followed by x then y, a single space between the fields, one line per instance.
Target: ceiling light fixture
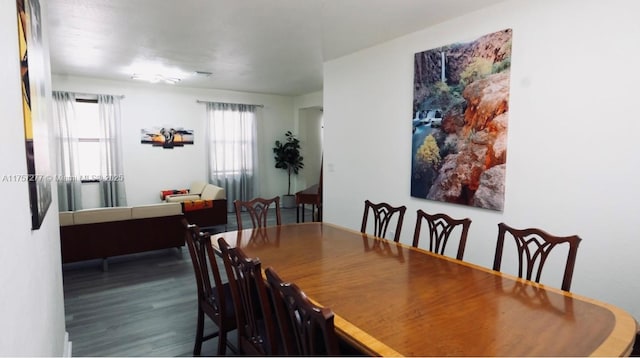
pixel 202 73
pixel 156 78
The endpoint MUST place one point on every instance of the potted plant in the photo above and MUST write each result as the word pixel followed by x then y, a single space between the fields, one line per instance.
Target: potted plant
pixel 287 156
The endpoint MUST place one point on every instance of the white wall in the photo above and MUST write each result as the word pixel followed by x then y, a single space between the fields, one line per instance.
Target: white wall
pixel 573 155
pixel 31 297
pixel 149 169
pixel 308 100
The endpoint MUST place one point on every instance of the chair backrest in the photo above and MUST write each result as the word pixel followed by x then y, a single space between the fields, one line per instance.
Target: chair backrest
pixel 307 329
pixel 534 246
pixel 257 332
pixel 258 210
pixel 203 257
pixel 440 228
pixel 382 215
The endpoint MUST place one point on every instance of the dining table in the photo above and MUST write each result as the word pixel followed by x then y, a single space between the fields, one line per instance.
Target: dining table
pixel 391 299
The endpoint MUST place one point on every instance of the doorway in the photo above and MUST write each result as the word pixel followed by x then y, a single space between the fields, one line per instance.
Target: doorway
pixel 310 134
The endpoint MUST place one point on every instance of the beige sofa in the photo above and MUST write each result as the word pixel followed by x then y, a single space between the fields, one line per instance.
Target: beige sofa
pixel 198 190
pixel 106 232
pixel 203 204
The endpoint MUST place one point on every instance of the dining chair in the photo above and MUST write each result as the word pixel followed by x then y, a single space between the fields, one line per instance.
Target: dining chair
pixel 383 214
pixel 257 332
pixel 306 329
pixel 534 246
pixel 258 209
pixel 440 228
pixel 213 301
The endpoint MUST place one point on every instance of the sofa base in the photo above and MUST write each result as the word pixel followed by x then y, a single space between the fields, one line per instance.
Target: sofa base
pixel 107 239
pixel 209 216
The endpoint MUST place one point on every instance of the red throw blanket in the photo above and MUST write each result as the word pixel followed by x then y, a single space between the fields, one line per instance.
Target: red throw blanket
pixel 192 205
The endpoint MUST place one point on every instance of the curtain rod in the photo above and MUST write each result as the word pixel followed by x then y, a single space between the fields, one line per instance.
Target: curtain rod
pixel 121 96
pixel 246 104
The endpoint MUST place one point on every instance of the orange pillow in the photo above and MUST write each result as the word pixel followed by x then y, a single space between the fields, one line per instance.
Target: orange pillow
pixel 165 193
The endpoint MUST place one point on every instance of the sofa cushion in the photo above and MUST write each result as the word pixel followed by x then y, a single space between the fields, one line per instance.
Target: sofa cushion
pixel 180 198
pixel 212 192
pixel 99 215
pixel 66 218
pixel 197 187
pixel 155 210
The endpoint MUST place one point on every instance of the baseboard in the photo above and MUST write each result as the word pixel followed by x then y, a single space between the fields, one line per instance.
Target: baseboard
pixel 67 345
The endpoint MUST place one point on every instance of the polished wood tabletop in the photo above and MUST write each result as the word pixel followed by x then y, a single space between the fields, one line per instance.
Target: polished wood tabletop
pixel 390 299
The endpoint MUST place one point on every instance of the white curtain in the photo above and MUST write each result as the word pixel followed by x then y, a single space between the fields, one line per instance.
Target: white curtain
pixel 112 191
pixel 66 139
pixel 231 137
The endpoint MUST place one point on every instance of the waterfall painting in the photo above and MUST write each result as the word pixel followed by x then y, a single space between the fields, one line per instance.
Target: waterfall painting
pixel 460 121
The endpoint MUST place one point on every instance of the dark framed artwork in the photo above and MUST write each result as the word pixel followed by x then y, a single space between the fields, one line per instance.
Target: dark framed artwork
pixel 33 71
pixel 167 137
pixel 460 121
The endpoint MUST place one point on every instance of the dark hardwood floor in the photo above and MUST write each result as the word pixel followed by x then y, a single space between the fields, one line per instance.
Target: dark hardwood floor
pixel 144 305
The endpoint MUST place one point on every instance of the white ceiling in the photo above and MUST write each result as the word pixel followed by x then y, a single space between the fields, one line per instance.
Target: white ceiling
pixel 266 46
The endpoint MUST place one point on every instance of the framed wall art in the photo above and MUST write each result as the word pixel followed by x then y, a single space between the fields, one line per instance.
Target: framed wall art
pixel 34 73
pixel 167 137
pixel 460 121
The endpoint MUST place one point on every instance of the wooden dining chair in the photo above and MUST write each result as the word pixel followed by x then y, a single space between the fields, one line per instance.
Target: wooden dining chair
pixel 383 214
pixel 257 331
pixel 440 228
pixel 258 210
pixel 534 246
pixel 215 300
pixel 306 329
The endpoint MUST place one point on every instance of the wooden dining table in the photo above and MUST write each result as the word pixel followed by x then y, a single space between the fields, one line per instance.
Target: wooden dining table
pixel 391 299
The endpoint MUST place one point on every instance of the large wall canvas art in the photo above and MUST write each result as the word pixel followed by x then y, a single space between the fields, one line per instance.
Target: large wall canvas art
pixel 166 137
pixel 34 72
pixel 460 121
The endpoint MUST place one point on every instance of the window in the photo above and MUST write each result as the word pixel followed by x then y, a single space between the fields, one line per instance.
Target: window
pixel 233 138
pixel 88 132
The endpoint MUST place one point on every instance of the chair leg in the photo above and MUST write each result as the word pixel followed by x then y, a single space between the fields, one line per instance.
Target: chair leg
pixel 199 332
pixel 222 342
